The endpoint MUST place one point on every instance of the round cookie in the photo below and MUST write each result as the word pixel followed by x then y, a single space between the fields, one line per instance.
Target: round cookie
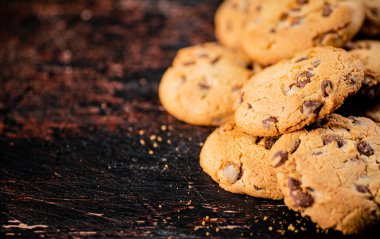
pixel 203 83
pixel 292 94
pixel 239 163
pixel 369 52
pixel 372 10
pixel 230 19
pixel 282 28
pixel 331 173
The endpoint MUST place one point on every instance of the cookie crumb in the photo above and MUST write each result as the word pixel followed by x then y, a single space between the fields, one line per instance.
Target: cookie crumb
pixel 153 137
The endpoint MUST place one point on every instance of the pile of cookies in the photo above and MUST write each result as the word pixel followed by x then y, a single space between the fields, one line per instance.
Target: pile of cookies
pixel 273 84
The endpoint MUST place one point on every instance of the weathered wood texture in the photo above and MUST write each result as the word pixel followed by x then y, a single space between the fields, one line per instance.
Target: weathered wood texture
pixel 86 148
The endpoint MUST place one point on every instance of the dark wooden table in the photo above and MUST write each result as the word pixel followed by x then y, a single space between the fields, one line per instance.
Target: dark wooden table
pixel 86 148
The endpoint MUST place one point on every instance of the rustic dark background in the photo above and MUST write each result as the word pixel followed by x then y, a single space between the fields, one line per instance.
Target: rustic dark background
pixel 87 150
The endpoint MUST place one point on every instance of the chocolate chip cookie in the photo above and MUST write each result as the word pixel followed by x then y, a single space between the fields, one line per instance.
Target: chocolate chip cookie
pixel 294 93
pixel 369 52
pixel 331 173
pixel 282 28
pixel 372 10
pixel 373 113
pixel 203 83
pixel 239 163
pixel 230 19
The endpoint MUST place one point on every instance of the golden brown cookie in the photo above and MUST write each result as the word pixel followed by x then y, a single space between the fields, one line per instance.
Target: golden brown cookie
pixel 372 24
pixel 369 52
pixel 230 19
pixel 238 162
pixel 203 83
pixel 292 94
pixel 373 113
pixel 332 173
pixel 282 28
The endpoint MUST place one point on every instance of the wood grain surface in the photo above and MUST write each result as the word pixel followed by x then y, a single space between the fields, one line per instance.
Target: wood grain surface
pixel 86 149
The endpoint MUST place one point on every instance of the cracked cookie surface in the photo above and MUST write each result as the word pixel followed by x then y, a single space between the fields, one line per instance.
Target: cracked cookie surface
pixel 368 51
pixel 331 173
pixel 203 83
pixel 282 28
pixel 294 93
pixel 238 162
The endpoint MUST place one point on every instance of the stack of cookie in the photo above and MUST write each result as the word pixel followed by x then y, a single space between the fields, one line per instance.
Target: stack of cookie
pixel 272 85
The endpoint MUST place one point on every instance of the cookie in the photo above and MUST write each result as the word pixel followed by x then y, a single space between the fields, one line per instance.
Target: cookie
pixel 203 83
pixel 369 52
pixel 230 19
pixel 372 10
pixel 331 173
pixel 239 163
pixel 282 28
pixel 373 113
pixel 291 94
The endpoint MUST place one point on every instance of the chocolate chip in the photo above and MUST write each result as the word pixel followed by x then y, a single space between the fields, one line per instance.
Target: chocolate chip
pixel 300 198
pixel 294 184
pixel 284 16
pixel 258 139
pixel 272 30
pixel 280 157
pixel 203 55
pixel 369 81
pixel 203 86
pixel 375 11
pixel 351 79
pixel 302 1
pixel 295 146
pixel 236 88
pixel 326 10
pixel 304 78
pixel 249 106
pixel 362 189
pixel 215 60
pixel 270 141
pixel 189 63
pixel 232 173
pixel 295 21
pixel 250 66
pixel 301 59
pixel 354 120
pixel 269 121
pixel 311 107
pixel 241 99
pixel 329 138
pixel 326 87
pixel 365 148
pixel 315 63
